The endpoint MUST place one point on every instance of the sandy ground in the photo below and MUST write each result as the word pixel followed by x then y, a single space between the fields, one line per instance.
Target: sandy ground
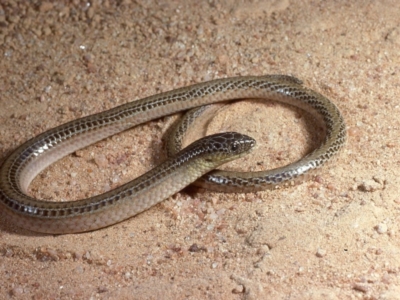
pixel 336 237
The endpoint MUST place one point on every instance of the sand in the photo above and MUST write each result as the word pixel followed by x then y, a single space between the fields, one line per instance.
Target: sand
pixel 333 237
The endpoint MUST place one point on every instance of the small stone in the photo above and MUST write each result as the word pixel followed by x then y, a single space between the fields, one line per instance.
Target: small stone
pixel 381 228
pixel 90 12
pixel 46 31
pixel 102 289
pixel 101 161
pixel 77 255
pixel 223 59
pixel 194 248
pixel 361 288
pixel 45 6
pixel 239 289
pixel 8 252
pixel 16 291
pixel 371 185
pixel 320 252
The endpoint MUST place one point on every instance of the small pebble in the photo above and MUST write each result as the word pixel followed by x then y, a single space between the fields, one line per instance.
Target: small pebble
pixel 320 252
pixel 45 6
pixel 381 228
pixel 77 255
pixel 361 288
pixel 213 216
pixel 239 289
pixel 101 160
pixel 370 186
pixel 16 291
